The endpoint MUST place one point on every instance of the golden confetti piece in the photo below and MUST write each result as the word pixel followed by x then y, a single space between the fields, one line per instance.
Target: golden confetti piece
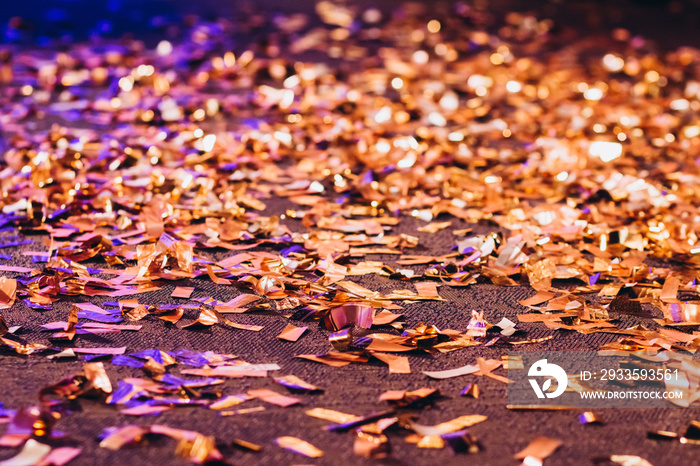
pixel 538 298
pixel 237 303
pixel 256 409
pixel 431 441
pixel 324 359
pixel 299 446
pixel 8 289
pixel 541 274
pixel 415 398
pixel 392 395
pixel 292 333
pixel 435 227
pixel 275 398
pixel 294 383
pixel 201 449
pixel 341 340
pixel 358 290
pixel 182 292
pixel 397 364
pixel 540 448
pixel 662 435
pixel 171 316
pixel 97 375
pixel 333 416
pixel 229 401
pixel 471 390
pixel 449 426
pixel 239 326
pixel 123 436
pixel 534 340
pixel 609 292
pixel 427 290
pixel 207 318
pixel 370 445
pixel 215 278
pixel 385 318
pixel 669 292
pixel 245 445
pixel 388 346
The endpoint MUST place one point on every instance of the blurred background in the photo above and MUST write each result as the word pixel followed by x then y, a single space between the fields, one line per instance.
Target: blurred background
pixel 42 22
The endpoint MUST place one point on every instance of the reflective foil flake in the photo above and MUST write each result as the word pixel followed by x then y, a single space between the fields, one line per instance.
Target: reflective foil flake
pixel 293 383
pixel 191 445
pixel 374 446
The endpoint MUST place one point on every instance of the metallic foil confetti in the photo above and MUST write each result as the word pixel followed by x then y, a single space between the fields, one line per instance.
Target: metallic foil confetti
pixel 397 364
pixel 245 445
pixel 471 390
pixel 270 396
pixel 540 448
pixel 662 435
pixel 292 333
pixel 331 415
pixel 199 450
pixel 299 446
pixel 374 446
pixel 294 383
pixel 117 438
pixel 33 452
pixel 350 314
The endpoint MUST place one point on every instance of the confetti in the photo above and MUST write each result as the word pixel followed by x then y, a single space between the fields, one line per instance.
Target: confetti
pixel 371 445
pixel 540 448
pixel 397 364
pixel 273 397
pixel 292 333
pixel 32 453
pixel 299 446
pixel 294 383
pixel 331 415
pixel 182 292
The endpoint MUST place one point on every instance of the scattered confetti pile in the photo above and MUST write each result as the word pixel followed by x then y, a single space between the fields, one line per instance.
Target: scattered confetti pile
pixel 289 238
